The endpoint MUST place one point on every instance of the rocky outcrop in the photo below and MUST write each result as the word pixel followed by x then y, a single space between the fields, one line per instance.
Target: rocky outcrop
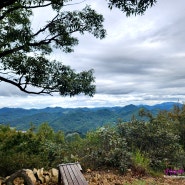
pixel 46 176
pixel 26 176
pixel 33 177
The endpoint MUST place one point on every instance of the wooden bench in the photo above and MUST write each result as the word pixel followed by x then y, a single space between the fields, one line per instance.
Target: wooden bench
pixel 70 174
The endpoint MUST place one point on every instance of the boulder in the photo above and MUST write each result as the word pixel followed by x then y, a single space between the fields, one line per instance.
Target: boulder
pixel 22 175
pixel 31 175
pixel 54 175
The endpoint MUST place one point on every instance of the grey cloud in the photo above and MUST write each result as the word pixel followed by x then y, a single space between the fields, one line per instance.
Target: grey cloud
pixel 9 90
pixel 173 35
pixel 115 89
pixel 141 60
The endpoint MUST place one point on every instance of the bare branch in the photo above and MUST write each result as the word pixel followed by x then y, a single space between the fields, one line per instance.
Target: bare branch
pixel 74 3
pixel 43 29
pixel 38 6
pixel 24 89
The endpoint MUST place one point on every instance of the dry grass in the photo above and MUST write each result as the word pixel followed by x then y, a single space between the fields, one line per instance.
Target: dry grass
pixel 110 177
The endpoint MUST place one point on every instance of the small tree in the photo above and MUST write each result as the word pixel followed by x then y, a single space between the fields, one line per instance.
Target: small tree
pixel 105 147
pixel 155 140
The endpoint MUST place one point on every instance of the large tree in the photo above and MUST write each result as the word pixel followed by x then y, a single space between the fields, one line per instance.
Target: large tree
pixel 24 51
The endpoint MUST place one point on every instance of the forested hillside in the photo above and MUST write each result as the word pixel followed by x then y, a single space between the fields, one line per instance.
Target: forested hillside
pixel 75 119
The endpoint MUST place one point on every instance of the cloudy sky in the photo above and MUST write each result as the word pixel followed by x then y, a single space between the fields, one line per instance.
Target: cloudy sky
pixel 141 61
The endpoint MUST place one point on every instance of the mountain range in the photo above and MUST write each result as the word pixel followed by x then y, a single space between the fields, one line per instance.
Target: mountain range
pixel 78 120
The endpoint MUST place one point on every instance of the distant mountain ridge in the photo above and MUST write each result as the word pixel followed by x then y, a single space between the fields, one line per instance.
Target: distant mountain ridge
pixel 75 119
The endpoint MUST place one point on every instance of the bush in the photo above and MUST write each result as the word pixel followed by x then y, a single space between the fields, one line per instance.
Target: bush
pixel 20 150
pixel 154 139
pixel 104 147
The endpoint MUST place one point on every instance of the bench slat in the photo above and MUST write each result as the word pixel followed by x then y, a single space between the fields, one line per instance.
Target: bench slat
pixel 63 175
pixel 70 174
pixel 74 177
pixel 80 176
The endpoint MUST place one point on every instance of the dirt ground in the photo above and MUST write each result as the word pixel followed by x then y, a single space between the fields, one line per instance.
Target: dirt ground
pixel 114 178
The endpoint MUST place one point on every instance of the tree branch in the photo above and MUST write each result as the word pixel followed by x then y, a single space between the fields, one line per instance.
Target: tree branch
pixel 43 29
pixel 38 6
pixel 25 7
pixel 7 52
pixel 75 3
pixel 24 89
pixel 46 41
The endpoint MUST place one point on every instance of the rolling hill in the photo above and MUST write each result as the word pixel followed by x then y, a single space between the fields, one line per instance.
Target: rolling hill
pixel 74 119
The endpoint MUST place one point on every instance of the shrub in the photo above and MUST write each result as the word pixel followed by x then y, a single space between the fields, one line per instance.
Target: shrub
pixel 155 139
pixel 104 147
pixel 140 163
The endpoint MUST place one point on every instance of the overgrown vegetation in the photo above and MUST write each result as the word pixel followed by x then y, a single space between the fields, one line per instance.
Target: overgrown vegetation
pixel 142 146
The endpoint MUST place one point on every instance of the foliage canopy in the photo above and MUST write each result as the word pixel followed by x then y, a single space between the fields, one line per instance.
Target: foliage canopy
pixel 24 50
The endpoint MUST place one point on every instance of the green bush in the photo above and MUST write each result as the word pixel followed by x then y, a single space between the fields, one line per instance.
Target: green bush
pixel 29 150
pixel 104 147
pixel 155 139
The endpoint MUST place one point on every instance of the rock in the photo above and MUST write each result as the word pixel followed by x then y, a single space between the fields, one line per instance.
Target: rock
pixel 40 175
pixel 31 175
pixel 46 178
pixel 88 170
pixel 34 170
pixel 20 176
pixel 54 172
pixel 2 180
pixel 54 175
